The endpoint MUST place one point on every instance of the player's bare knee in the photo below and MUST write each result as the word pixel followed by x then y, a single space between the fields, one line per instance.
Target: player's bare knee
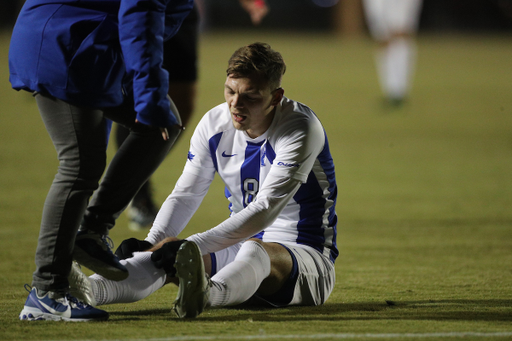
pixel 259 241
pixel 166 240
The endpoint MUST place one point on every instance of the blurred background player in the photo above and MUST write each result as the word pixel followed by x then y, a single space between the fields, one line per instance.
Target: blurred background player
pixel 182 68
pixel 393 24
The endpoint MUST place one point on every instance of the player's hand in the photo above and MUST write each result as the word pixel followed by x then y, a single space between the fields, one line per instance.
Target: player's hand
pixel 131 245
pixel 257 9
pixel 165 257
pixel 165 134
pixel 164 131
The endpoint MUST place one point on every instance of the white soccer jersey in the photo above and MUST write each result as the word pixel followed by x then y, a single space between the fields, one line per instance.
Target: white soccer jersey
pixel 281 185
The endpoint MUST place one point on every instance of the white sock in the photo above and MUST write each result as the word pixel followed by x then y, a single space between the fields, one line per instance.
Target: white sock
pixel 144 279
pixel 239 280
pixel 395 65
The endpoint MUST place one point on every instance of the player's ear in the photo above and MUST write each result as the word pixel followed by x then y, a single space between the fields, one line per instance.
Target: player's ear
pixel 277 96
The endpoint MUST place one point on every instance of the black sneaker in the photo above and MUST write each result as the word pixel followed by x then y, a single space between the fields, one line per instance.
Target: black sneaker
pixel 93 251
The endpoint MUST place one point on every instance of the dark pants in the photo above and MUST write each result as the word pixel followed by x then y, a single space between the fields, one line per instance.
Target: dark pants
pixel 80 138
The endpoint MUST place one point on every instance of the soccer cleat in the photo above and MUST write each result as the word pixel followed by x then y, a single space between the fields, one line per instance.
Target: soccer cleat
pixel 80 285
pixel 194 284
pixel 93 251
pixel 55 306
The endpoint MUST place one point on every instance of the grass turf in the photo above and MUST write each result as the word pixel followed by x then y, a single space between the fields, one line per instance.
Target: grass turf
pixel 424 206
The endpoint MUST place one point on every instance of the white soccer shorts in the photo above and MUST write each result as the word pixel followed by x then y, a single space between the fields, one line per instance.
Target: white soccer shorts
pixel 316 275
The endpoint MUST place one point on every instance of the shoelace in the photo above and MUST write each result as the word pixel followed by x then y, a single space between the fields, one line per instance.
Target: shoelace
pixel 75 303
pixel 108 242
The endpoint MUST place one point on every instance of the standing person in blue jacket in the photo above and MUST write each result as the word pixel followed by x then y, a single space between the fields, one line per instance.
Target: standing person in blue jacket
pixel 183 74
pixel 87 61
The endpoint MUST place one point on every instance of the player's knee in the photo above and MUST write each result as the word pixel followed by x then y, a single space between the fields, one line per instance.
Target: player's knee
pixel 160 244
pixel 259 241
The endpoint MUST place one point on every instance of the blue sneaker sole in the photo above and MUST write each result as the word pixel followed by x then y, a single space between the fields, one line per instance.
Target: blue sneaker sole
pixel 34 314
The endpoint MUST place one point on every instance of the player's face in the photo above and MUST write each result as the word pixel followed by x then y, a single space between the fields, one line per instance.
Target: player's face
pixel 251 103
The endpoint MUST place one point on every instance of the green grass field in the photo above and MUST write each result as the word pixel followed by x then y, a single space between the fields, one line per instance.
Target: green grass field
pixel 424 206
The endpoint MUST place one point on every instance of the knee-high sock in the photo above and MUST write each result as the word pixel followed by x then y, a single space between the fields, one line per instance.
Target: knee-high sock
pixel 396 64
pixel 144 279
pixel 239 280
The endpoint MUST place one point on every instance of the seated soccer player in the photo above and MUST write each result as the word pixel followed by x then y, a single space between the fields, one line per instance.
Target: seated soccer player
pixel 279 243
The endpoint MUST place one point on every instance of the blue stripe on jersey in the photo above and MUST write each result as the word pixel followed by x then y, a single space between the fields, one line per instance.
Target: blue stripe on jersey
pixel 250 172
pixel 270 153
pixel 214 144
pixel 227 194
pixel 327 164
pixel 312 207
pixel 259 235
pixel 214 264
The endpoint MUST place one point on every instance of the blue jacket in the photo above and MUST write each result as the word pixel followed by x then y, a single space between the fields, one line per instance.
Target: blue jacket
pixel 94 52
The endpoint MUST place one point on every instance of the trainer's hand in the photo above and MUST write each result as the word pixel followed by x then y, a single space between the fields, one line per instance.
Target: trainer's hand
pixel 163 131
pixel 165 134
pixel 131 245
pixel 164 257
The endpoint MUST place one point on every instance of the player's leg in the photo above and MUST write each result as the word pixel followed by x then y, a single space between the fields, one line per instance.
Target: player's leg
pixel 298 275
pixel 258 266
pixel 310 282
pixel 79 137
pixel 393 23
pixel 180 60
pixel 402 18
pixel 143 279
pixel 402 46
pixel 130 168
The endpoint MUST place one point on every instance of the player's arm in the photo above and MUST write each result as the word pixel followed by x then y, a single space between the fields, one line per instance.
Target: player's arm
pixel 278 189
pixel 141 34
pixel 179 207
pixel 251 220
pixel 172 217
pixel 190 189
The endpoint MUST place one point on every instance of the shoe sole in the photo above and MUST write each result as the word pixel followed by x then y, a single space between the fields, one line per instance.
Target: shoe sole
pixel 32 314
pixel 191 298
pixel 99 267
pixel 80 286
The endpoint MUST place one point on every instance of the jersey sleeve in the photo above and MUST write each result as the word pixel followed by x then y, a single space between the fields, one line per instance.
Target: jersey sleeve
pixel 277 191
pixel 189 192
pixel 297 146
pixel 179 207
pixel 199 160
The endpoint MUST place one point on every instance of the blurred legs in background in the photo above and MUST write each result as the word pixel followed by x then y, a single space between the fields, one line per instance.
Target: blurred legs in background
pixel 393 24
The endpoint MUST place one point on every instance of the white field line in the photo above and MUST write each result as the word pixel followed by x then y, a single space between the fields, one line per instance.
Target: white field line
pixel 333 336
